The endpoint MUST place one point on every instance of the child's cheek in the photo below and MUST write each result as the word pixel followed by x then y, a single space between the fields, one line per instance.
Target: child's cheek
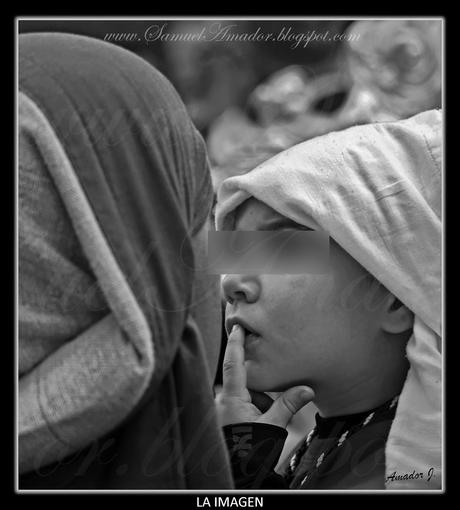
pixel 317 292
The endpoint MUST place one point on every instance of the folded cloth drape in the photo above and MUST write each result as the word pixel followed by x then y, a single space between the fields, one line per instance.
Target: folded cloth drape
pixel 377 191
pixel 115 354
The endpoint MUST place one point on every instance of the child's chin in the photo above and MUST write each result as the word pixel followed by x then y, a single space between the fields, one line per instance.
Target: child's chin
pixel 260 382
pixel 261 378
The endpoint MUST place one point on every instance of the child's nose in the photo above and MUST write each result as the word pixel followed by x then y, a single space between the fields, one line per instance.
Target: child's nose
pixel 240 287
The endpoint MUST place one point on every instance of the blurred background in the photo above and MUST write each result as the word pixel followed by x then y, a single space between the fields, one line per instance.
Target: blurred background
pixel 252 99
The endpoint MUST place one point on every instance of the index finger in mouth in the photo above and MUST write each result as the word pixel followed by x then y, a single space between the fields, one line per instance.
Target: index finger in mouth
pixel 234 371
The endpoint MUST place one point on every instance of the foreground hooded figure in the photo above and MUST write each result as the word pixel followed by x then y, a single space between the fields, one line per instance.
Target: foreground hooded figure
pixel 117 330
pixel 369 356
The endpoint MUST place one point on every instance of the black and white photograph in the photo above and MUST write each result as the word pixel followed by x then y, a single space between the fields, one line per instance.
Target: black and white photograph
pixel 229 251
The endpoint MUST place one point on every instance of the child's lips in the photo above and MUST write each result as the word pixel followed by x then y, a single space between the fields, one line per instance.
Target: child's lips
pixel 252 344
pixel 250 339
pixel 248 330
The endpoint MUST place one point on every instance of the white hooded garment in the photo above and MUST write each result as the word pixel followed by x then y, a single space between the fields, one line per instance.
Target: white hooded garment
pixel 377 191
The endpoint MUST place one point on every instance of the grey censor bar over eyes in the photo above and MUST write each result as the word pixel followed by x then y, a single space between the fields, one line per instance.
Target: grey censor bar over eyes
pixel 268 252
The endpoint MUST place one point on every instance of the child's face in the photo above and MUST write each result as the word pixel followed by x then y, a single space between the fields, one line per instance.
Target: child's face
pixel 316 329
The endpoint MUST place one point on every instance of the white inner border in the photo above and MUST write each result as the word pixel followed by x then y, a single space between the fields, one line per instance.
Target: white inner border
pixel 219 18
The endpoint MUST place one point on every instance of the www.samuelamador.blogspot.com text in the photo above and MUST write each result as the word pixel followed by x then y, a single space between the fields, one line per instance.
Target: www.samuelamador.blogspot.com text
pixel 228 32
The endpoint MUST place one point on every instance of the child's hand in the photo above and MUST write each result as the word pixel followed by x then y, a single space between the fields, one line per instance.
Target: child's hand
pixel 234 403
